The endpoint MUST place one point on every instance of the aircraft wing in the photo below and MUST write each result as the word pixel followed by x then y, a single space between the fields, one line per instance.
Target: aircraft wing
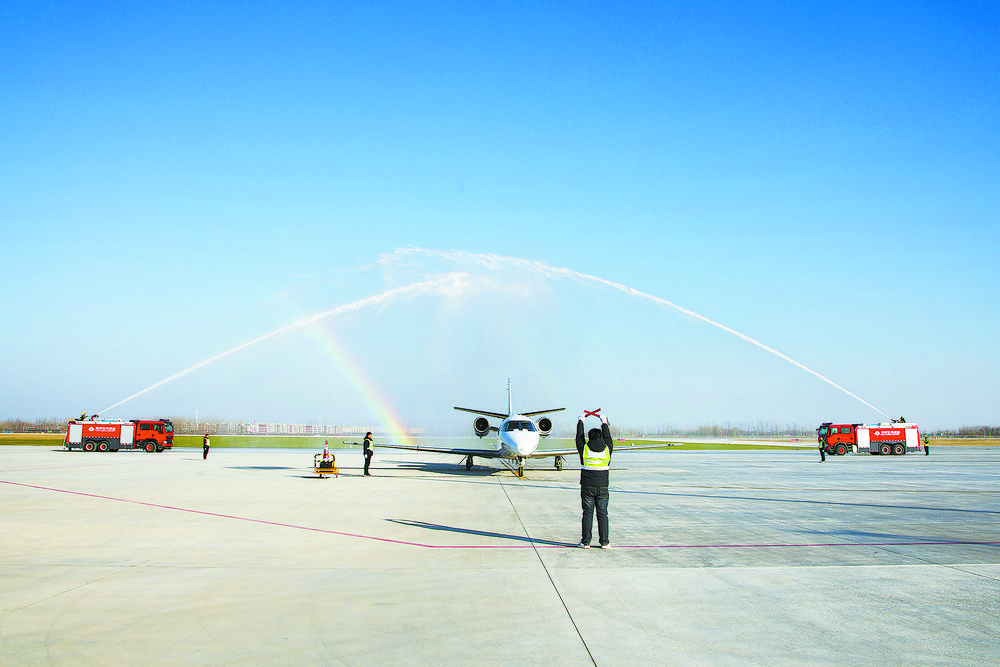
pixel 542 453
pixel 618 448
pixel 479 453
pixel 485 413
pixel 541 412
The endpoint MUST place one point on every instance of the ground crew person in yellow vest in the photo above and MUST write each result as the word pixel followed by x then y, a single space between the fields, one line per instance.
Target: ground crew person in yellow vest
pixel 367 446
pixel 595 461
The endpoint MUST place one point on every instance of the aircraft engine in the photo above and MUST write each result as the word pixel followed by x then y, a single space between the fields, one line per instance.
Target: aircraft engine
pixel 544 426
pixel 481 426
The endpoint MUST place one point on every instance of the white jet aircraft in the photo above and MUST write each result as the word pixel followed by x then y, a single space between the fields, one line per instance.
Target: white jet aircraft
pixel 518 436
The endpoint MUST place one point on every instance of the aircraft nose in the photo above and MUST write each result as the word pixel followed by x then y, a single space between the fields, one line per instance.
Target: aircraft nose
pixel 526 443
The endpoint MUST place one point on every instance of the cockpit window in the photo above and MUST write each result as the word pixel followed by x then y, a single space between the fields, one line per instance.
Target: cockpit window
pixel 518 425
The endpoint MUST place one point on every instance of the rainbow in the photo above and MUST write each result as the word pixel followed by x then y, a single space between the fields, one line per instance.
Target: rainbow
pixel 380 406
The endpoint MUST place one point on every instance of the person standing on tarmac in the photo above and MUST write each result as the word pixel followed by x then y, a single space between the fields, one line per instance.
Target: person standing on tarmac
pixel 368 452
pixel 595 461
pixel 205 444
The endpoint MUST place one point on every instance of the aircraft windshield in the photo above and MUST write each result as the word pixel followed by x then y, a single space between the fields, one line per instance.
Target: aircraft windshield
pixel 518 425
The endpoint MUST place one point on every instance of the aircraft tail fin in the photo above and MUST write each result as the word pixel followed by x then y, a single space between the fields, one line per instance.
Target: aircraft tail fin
pixel 510 408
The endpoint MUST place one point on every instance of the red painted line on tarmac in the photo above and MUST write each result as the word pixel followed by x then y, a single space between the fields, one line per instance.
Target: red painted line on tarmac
pixel 809 544
pixel 215 514
pixel 512 546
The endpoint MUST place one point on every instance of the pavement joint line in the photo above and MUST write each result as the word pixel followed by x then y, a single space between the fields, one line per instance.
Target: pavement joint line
pixel 85 584
pixel 809 501
pixel 548 574
pixel 825 490
pixel 950 566
pixel 512 546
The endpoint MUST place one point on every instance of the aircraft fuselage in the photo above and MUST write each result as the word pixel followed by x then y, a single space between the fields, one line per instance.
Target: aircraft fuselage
pixel 518 437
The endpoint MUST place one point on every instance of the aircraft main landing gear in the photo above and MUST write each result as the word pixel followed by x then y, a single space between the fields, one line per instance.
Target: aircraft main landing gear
pixel 468 463
pixel 558 463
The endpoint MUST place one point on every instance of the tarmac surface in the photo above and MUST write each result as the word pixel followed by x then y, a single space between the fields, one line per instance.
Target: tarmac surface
pixel 719 558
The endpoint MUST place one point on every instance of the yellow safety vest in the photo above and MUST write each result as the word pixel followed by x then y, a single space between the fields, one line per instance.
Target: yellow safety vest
pixel 596 460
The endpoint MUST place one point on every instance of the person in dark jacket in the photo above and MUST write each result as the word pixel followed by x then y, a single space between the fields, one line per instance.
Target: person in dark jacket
pixel 368 452
pixel 595 461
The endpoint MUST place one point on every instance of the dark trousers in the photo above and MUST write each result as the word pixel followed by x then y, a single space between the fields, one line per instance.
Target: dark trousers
pixel 204 454
pixel 591 497
pixel 368 460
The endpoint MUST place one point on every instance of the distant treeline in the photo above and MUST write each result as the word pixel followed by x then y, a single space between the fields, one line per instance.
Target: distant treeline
pixel 969 432
pixel 37 426
pixel 759 429
pixel 181 425
pixel 184 425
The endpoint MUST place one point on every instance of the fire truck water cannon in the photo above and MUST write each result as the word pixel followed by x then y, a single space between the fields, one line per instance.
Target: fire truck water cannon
pixel 892 438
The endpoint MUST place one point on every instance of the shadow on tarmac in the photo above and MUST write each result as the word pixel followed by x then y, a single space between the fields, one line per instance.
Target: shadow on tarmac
pixel 447 468
pixel 480 533
pixel 892 539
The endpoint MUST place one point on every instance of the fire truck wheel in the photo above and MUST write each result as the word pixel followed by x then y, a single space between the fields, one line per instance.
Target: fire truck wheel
pixel 885 449
pixel 150 446
pixel 841 450
pixel 88 446
pixel 899 449
pixel 102 446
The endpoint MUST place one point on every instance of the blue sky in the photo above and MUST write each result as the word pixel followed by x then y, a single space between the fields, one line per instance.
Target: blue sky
pixel 823 177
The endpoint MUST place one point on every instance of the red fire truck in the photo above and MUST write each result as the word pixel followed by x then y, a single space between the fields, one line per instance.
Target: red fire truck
pixel 892 438
pixel 101 435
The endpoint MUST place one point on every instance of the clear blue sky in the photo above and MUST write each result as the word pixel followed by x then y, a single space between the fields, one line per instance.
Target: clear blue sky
pixel 178 180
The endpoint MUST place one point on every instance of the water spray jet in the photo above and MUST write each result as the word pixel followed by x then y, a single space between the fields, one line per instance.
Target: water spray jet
pixel 495 262
pixel 461 283
pixel 448 284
